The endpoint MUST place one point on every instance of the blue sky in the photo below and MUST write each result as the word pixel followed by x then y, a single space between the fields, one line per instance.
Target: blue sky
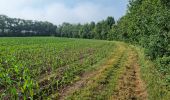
pixel 59 11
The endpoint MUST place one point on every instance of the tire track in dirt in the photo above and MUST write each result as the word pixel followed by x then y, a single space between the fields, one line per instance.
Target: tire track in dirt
pixel 130 85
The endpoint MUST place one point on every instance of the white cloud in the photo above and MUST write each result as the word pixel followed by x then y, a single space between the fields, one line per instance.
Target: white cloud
pixel 56 12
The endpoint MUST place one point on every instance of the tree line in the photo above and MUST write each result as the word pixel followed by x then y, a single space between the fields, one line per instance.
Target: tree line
pixel 20 27
pixel 100 30
pixel 147 23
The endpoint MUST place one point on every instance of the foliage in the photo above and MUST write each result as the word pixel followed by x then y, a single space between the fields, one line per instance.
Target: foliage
pixel 157 85
pixel 147 24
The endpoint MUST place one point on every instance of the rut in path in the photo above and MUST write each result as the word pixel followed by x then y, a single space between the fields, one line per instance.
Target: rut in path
pixel 130 86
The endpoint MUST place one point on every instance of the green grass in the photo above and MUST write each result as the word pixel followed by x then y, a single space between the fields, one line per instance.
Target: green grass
pixel 157 86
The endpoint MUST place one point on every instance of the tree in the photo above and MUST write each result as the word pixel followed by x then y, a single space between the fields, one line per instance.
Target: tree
pixel 110 21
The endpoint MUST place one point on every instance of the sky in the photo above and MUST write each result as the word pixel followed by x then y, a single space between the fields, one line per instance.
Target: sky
pixel 59 11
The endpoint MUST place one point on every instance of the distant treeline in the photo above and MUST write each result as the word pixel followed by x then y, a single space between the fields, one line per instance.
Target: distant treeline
pixel 100 30
pixel 20 27
pixel 146 23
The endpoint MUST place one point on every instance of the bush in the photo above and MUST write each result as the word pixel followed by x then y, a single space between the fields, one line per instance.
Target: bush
pixel 163 65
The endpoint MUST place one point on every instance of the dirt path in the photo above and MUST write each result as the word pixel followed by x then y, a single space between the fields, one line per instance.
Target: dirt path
pixel 130 86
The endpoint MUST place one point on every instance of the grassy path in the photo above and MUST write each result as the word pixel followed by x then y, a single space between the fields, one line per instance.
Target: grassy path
pixel 130 85
pixel 117 78
pixel 87 76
